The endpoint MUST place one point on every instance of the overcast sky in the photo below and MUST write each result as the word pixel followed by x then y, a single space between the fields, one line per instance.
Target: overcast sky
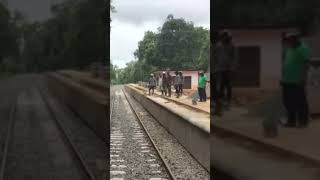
pixel 133 18
pixel 34 10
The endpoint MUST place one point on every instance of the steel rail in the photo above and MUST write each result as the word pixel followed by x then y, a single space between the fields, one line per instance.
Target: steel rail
pixel 166 165
pixel 8 138
pixel 65 132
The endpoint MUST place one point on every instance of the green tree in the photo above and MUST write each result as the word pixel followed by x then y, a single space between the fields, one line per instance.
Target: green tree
pixel 73 38
pixel 177 45
pixel 8 34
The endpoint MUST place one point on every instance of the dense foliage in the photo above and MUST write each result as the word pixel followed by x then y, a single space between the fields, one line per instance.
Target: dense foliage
pixel 9 39
pixel 178 44
pixel 74 37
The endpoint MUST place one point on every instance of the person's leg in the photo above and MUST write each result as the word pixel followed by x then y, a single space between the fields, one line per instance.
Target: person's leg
pixel 200 94
pixel 149 90
pixel 169 90
pixel 204 94
pixel 223 84
pixel 302 108
pixel 216 94
pixel 288 102
pixel 228 84
pixel 177 89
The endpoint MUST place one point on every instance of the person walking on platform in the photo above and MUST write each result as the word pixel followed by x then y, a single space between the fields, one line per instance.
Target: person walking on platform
pixel 164 84
pixel 152 84
pixel 215 57
pixel 202 81
pixel 176 80
pixel 160 82
pixel 224 63
pixel 294 78
pixel 180 84
pixel 168 83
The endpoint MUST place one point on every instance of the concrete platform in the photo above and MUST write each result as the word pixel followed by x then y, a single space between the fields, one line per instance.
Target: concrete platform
pixel 86 79
pixel 91 105
pixel 298 144
pixel 191 127
pixel 183 100
pixel 247 162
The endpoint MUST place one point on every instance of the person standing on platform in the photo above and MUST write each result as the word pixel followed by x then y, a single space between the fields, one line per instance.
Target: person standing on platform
pixel 215 58
pixel 164 84
pixel 226 60
pixel 202 82
pixel 176 81
pixel 152 84
pixel 294 78
pixel 160 82
pixel 180 83
pixel 168 83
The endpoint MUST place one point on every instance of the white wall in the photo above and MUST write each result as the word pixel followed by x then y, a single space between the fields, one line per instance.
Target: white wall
pixel 194 78
pixel 270 45
pixel 193 74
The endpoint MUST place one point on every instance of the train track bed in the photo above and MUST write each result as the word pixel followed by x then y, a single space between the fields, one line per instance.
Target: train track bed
pixel 91 147
pixel 181 163
pixel 39 144
pixel 132 155
pixel 37 148
pixel 9 88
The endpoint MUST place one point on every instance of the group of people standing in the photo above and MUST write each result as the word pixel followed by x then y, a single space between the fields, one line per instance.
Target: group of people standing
pixel 295 57
pixel 165 82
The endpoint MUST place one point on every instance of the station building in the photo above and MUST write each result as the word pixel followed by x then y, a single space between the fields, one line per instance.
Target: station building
pixel 190 77
pixel 259 51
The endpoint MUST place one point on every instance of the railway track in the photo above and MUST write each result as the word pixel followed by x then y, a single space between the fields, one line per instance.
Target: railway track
pixel 133 153
pixel 62 141
pixel 7 140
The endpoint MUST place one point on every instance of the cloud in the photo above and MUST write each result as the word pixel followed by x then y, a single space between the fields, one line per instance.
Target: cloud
pixel 124 40
pixel 134 17
pixel 141 11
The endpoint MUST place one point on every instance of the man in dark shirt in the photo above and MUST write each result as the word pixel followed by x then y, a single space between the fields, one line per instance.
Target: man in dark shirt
pixel 168 83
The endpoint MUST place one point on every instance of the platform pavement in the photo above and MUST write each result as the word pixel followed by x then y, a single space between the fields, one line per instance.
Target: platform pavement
pixel 249 163
pixel 300 143
pixel 186 100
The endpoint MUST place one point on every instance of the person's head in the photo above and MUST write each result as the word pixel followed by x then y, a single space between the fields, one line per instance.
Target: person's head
pixel 201 73
pixel 176 73
pixel 180 73
pixel 292 39
pixel 225 37
pixel 151 75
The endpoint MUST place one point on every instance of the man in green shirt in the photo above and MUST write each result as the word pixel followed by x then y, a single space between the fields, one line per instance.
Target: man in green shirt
pixel 202 82
pixel 294 76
